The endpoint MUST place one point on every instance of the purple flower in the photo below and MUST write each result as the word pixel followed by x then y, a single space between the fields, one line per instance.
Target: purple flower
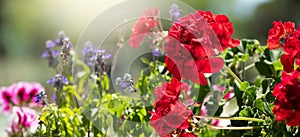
pixel 41 97
pixel 58 81
pixel 51 81
pixel 54 97
pixel 125 83
pixel 95 58
pixel 50 44
pixel 156 51
pixel 51 54
pixel 69 45
pixel 45 54
pixel 174 12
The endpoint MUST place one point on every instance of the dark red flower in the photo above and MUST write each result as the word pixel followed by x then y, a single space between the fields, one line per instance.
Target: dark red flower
pixel 287 104
pixel 286 36
pixel 144 25
pixel 192 43
pixel 169 90
pixel 185 134
pixel 278 33
pixel 177 118
pixel 169 114
pixel 288 62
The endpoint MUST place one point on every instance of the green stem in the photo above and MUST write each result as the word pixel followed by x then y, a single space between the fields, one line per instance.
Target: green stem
pixel 247 68
pixel 233 128
pixel 203 91
pixel 231 118
pixel 232 74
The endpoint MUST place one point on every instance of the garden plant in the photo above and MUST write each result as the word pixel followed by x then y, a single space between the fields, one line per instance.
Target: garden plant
pixel 189 78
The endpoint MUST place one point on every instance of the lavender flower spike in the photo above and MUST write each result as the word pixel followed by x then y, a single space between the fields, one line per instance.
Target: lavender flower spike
pixel 174 12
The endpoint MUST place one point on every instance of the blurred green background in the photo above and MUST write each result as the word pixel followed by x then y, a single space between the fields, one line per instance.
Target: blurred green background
pixel 26 25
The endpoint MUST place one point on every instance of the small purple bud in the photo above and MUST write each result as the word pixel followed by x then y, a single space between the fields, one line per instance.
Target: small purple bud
pixel 45 54
pixel 101 51
pixel 64 79
pixel 51 81
pixel 57 41
pixel 90 64
pixel 37 98
pixel 93 58
pixel 124 84
pixel 50 44
pixel 61 34
pixel 107 56
pixel 69 45
pixel 156 52
pixel 54 97
pixel 56 53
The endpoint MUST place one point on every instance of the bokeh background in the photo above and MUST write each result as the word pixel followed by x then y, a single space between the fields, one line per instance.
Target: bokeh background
pixel 26 25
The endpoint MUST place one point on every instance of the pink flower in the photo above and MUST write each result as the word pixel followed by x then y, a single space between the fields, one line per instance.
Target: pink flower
pixel 6 98
pixel 26 118
pixel 19 93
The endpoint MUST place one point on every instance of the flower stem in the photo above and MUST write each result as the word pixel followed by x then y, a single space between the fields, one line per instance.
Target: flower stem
pixel 247 68
pixel 233 128
pixel 232 74
pixel 231 118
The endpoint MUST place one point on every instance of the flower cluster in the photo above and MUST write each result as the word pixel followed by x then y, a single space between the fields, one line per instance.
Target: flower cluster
pixel 174 12
pixel 143 26
pixel 25 120
pixel 95 58
pixel 287 104
pixel 41 97
pixel 58 81
pixel 125 83
pixel 15 100
pixel 157 39
pixel 170 115
pixel 286 36
pixel 19 93
pixel 287 92
pixel 52 54
pixel 194 41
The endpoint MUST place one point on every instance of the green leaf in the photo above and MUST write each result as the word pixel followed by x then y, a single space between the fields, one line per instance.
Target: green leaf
pixel 238 94
pixel 265 69
pixel 259 104
pixel 145 60
pixel 251 93
pixel 266 85
pixel 244 85
pixel 246 112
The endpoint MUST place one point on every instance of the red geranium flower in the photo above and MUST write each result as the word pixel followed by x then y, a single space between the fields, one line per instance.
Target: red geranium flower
pixel 278 33
pixel 287 93
pixel 192 43
pixel 185 134
pixel 169 114
pixel 177 118
pixel 145 23
pixel 284 35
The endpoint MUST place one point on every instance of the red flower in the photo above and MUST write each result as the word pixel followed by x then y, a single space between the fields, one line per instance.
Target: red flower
pixel 169 90
pixel 145 23
pixel 192 42
pixel 287 93
pixel 284 35
pixel 185 134
pixel 278 33
pixel 177 118
pixel 288 63
pixel 169 114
